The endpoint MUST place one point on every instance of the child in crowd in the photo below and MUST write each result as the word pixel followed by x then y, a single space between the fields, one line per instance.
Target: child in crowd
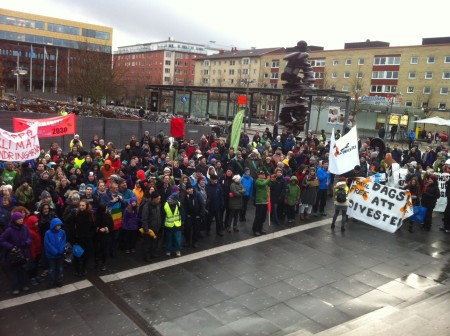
pixel 54 245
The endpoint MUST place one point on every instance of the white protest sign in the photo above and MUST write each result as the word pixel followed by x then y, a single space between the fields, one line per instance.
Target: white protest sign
pixel 378 205
pixel 20 146
pixel 343 155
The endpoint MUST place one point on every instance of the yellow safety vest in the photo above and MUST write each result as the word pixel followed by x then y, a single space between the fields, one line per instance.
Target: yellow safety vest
pixel 172 219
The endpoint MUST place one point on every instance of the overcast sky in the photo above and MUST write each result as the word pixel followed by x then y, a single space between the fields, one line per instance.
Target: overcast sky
pixel 253 23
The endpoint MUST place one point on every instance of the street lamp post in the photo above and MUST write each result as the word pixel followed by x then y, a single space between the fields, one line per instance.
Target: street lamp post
pixel 247 82
pixel 389 109
pixel 19 72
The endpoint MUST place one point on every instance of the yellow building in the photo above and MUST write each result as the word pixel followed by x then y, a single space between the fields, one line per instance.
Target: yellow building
pixel 26 40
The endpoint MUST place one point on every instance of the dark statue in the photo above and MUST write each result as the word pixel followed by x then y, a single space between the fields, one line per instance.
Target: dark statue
pixel 298 75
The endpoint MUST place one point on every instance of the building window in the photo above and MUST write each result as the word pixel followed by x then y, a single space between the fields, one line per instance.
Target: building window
pixel 414 60
pixel 318 75
pixel 274 75
pixel 361 61
pixel 206 72
pixel 412 75
pixel 408 104
pixel 446 75
pixel 232 62
pixel 275 64
pixel 206 63
pixel 346 74
pixel 386 61
pixel 266 75
pixel 427 90
pixel 231 72
pixel 410 89
pixel 385 75
pixel 334 75
pixel 348 61
pixel 359 74
pixel 446 59
pixel 345 87
pixel 167 62
pixel 167 71
pixel 317 63
pixel 428 75
pixel 266 65
pixel 245 71
pixel 273 86
pixel 430 59
pixel 444 91
pixel 335 62
pixel 246 61
pixel 383 88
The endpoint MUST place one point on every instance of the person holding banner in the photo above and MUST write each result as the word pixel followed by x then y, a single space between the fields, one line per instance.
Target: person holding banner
pixel 413 187
pixel 430 194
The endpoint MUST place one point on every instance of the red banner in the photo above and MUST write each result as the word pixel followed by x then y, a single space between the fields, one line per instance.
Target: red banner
pixel 48 127
pixel 242 100
pixel 177 127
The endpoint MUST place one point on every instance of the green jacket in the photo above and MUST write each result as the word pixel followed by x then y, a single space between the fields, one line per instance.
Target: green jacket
pixel 261 194
pixel 292 192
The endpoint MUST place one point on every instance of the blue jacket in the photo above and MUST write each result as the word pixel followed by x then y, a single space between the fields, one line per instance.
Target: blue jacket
pixel 323 177
pixel 54 241
pixel 247 183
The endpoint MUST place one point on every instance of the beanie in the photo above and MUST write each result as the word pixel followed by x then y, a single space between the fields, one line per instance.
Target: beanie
pixel 140 174
pixel 16 216
pixel 45 194
pixel 236 178
pixel 434 178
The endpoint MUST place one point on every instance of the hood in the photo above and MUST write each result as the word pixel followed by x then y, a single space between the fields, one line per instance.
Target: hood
pixel 294 178
pixel 55 222
pixel 132 199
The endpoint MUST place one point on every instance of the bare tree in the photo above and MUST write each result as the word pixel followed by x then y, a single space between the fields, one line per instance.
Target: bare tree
pixel 356 88
pixel 93 76
pixel 322 102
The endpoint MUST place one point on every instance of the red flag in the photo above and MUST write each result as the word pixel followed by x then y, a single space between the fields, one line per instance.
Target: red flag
pixel 269 204
pixel 242 100
pixel 177 127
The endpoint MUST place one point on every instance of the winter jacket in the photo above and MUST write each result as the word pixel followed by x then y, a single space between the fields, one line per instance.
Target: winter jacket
pixel 16 236
pixel 277 190
pixel 130 220
pixel 54 241
pixel 215 199
pixel 235 201
pixel 261 193
pixel 247 183
pixel 36 239
pixel 293 192
pixel 324 178
pixel 430 195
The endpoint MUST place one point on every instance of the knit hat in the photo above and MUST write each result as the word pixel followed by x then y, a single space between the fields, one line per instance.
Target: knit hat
pixel 212 177
pixel 174 198
pixel 154 195
pixel 286 162
pixel 45 194
pixel 140 174
pixel 411 170
pixel 72 177
pixel 189 186
pixel 175 188
pixel 236 178
pixel 16 216
pixel 201 178
pixel 434 178
pixel 132 199
pixel 108 162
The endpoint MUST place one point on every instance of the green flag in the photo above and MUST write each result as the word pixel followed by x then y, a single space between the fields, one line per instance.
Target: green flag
pixel 236 129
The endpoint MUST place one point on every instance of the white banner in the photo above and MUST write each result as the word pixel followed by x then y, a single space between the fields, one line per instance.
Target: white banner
pixel 344 154
pixel 398 178
pixel 378 205
pixel 19 146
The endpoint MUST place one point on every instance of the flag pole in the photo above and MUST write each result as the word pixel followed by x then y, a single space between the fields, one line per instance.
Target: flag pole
pixel 56 73
pixel 43 72
pixel 269 205
pixel 31 68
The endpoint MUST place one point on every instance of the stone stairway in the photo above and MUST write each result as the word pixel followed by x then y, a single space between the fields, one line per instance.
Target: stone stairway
pixel 427 317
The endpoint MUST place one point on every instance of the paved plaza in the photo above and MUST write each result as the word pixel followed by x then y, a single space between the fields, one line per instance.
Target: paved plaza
pixel 299 279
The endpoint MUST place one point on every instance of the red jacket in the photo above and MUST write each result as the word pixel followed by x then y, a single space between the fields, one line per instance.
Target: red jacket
pixel 36 241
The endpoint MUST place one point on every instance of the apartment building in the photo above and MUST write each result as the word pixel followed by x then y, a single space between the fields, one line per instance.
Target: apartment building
pixel 43 50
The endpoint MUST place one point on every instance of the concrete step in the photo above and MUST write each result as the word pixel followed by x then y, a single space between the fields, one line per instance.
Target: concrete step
pixel 432 315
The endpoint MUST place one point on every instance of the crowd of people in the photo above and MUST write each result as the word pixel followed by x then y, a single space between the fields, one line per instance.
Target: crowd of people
pixel 159 195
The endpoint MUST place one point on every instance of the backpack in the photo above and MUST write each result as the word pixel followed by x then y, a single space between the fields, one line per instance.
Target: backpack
pixel 341 195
